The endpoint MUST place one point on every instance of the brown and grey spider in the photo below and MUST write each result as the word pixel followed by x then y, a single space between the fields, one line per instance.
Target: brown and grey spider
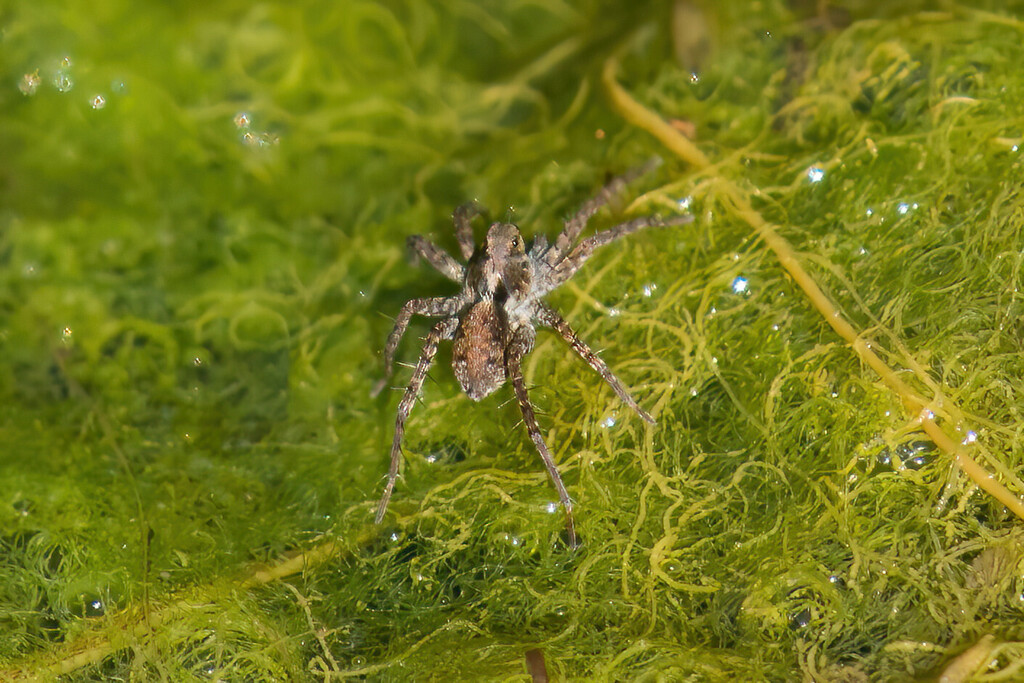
pixel 492 319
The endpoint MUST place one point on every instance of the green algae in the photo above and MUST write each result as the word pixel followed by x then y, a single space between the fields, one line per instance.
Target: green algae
pixel 191 321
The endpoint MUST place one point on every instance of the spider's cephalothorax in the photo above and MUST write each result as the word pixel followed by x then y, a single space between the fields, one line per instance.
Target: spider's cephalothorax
pixel 492 320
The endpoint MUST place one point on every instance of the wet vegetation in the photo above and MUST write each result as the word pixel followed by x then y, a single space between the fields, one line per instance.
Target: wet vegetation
pixel 202 225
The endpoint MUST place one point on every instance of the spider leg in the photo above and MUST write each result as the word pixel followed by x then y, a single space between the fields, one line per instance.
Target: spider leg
pixel 568 266
pixel 547 316
pixel 463 230
pixel 514 370
pixel 574 226
pixel 435 307
pixel 442 330
pixel 437 257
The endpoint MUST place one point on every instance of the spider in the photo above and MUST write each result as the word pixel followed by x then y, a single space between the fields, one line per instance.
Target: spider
pixel 493 320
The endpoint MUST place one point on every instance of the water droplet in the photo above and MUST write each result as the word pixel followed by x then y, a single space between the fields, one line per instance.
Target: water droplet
pixel 66 334
pixel 613 312
pixel 800 620
pixel 98 102
pixel 94 608
pixel 739 285
pixel 684 203
pixel 694 77
pixel 242 120
pixel 693 391
pixel 30 83
pixel 608 422
pixel 870 212
pixel 63 82
pixel 197 361
pixel 649 289
pixel 66 63
pixel 551 508
pixel 815 174
pixel 119 86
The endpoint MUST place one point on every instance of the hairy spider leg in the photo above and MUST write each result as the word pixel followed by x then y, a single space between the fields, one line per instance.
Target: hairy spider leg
pixel 575 225
pixel 434 307
pixel 585 249
pixel 550 318
pixel 463 229
pixel 442 330
pixel 437 257
pixel 521 344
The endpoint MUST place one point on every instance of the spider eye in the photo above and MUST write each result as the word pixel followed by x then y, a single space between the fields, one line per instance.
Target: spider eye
pixel 515 242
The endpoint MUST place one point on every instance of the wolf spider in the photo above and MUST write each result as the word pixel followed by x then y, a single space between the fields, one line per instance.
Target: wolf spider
pixel 492 320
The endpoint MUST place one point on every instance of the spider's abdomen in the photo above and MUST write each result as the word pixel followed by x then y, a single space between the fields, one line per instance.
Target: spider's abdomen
pixel 478 353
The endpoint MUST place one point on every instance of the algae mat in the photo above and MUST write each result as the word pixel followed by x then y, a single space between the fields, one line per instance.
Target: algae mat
pixel 203 214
